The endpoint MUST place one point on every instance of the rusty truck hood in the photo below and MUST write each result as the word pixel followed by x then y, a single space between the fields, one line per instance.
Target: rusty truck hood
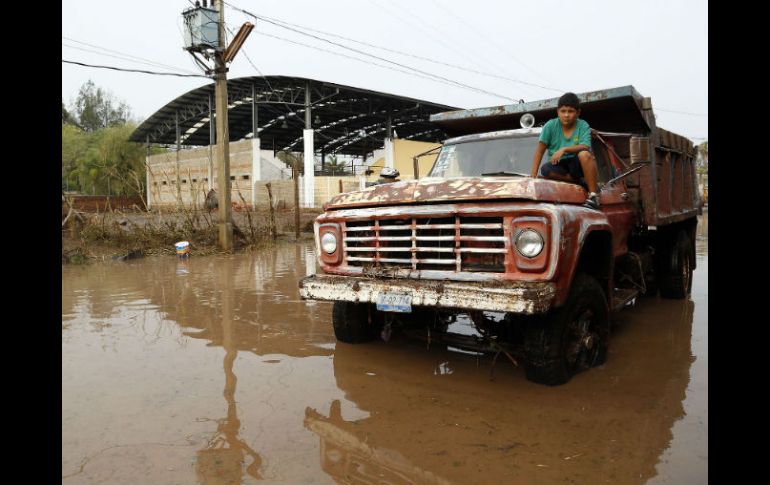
pixel 460 189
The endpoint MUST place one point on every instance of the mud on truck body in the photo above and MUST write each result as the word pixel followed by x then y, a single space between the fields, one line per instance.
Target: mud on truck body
pixel 537 273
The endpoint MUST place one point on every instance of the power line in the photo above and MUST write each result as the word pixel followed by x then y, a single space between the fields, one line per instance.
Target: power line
pixel 144 60
pixel 134 70
pixel 353 58
pixel 441 38
pixel 288 108
pixel 490 41
pixel 372 55
pixel 432 77
pixel 119 57
pixel 426 59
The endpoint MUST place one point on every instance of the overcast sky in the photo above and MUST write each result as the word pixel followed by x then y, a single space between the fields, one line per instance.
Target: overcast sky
pixel 541 48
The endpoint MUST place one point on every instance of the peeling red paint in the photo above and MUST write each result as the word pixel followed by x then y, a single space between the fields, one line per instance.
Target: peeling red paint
pixel 461 189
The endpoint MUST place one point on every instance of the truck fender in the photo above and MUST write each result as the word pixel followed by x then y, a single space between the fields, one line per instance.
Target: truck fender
pixel 586 244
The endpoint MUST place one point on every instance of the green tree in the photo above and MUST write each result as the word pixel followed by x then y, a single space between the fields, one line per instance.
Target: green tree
pixel 703 163
pixel 102 162
pixel 97 157
pixel 292 160
pixel 114 164
pixel 65 115
pixel 334 165
pixel 74 144
pixel 96 108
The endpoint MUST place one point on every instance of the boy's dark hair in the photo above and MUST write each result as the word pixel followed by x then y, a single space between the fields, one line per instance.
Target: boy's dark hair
pixel 569 99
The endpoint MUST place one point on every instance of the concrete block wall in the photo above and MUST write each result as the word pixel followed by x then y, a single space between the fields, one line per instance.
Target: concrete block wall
pixel 194 183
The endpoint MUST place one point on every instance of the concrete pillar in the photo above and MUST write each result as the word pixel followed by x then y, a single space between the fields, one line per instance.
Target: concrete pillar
pixel 309 168
pixel 256 169
pixel 389 156
pixel 307 135
pixel 301 185
pixel 256 159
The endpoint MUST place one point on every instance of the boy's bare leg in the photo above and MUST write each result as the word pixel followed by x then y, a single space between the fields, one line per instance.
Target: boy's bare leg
pixel 590 172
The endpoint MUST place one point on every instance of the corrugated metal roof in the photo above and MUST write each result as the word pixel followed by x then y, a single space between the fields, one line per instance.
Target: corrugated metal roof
pixel 343 112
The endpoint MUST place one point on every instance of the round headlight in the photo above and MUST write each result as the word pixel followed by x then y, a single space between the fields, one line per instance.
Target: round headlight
pixel 528 242
pixel 329 242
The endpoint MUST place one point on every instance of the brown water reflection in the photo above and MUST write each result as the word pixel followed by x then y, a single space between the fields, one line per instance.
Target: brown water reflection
pixel 212 371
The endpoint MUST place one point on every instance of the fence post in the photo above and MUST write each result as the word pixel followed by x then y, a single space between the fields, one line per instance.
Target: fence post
pixel 271 213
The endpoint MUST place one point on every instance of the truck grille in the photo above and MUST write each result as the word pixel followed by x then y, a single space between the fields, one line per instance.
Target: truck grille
pixel 459 243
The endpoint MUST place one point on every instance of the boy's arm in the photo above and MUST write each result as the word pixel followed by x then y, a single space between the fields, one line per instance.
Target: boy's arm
pixel 539 151
pixel 573 149
pixel 584 139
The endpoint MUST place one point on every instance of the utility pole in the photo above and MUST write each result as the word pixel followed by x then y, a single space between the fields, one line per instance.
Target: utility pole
pixel 199 39
pixel 223 138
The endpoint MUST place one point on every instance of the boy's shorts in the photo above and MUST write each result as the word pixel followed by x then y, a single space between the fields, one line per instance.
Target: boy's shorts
pixel 566 166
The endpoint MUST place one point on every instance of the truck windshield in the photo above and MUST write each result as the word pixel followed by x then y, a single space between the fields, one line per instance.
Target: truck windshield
pixel 490 157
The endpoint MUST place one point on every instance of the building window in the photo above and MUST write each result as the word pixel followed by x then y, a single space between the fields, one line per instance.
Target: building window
pixel 184 181
pixel 195 180
pixel 205 179
pixel 232 177
pixel 245 177
pixel 164 182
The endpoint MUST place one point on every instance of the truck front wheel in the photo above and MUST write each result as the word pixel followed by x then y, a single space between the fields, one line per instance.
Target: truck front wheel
pixel 675 266
pixel 352 323
pixel 572 338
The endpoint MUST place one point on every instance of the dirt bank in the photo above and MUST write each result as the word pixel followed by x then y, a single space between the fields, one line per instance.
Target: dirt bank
pixel 90 236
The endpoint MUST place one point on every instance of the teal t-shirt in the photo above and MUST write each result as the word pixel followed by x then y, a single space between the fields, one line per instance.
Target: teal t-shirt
pixel 553 136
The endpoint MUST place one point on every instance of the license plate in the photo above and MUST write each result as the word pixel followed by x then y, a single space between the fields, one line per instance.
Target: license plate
pixel 394 302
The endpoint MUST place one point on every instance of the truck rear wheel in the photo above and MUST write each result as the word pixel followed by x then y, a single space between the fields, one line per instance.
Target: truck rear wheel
pixel 572 338
pixel 351 322
pixel 675 266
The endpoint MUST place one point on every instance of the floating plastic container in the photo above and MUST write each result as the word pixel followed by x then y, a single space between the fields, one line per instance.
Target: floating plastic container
pixel 182 249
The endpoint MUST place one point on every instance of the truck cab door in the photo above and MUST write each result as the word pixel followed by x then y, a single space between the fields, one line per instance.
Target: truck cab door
pixel 615 200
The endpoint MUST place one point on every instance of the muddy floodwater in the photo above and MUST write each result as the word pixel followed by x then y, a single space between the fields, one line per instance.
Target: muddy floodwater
pixel 213 371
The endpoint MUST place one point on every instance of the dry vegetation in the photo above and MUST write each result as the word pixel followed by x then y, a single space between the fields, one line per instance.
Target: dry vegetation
pixel 116 234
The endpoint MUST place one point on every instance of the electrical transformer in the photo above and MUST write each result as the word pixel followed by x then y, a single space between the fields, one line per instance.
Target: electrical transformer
pixel 200 28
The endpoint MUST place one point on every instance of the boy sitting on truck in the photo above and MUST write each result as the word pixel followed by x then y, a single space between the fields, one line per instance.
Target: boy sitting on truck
pixel 568 140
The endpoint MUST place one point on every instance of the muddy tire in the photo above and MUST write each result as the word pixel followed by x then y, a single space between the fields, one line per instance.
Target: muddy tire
pixel 675 267
pixel 571 338
pixel 351 322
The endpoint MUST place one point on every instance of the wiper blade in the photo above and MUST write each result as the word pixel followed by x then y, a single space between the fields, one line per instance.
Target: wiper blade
pixel 503 173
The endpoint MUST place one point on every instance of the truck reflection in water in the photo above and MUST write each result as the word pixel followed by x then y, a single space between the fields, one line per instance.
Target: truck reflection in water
pixel 611 426
pixel 349 459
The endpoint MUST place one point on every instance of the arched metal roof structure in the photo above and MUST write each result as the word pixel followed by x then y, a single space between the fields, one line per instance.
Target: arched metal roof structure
pixel 345 119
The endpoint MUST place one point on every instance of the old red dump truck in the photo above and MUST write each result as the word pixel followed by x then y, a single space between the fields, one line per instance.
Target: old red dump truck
pixel 537 273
